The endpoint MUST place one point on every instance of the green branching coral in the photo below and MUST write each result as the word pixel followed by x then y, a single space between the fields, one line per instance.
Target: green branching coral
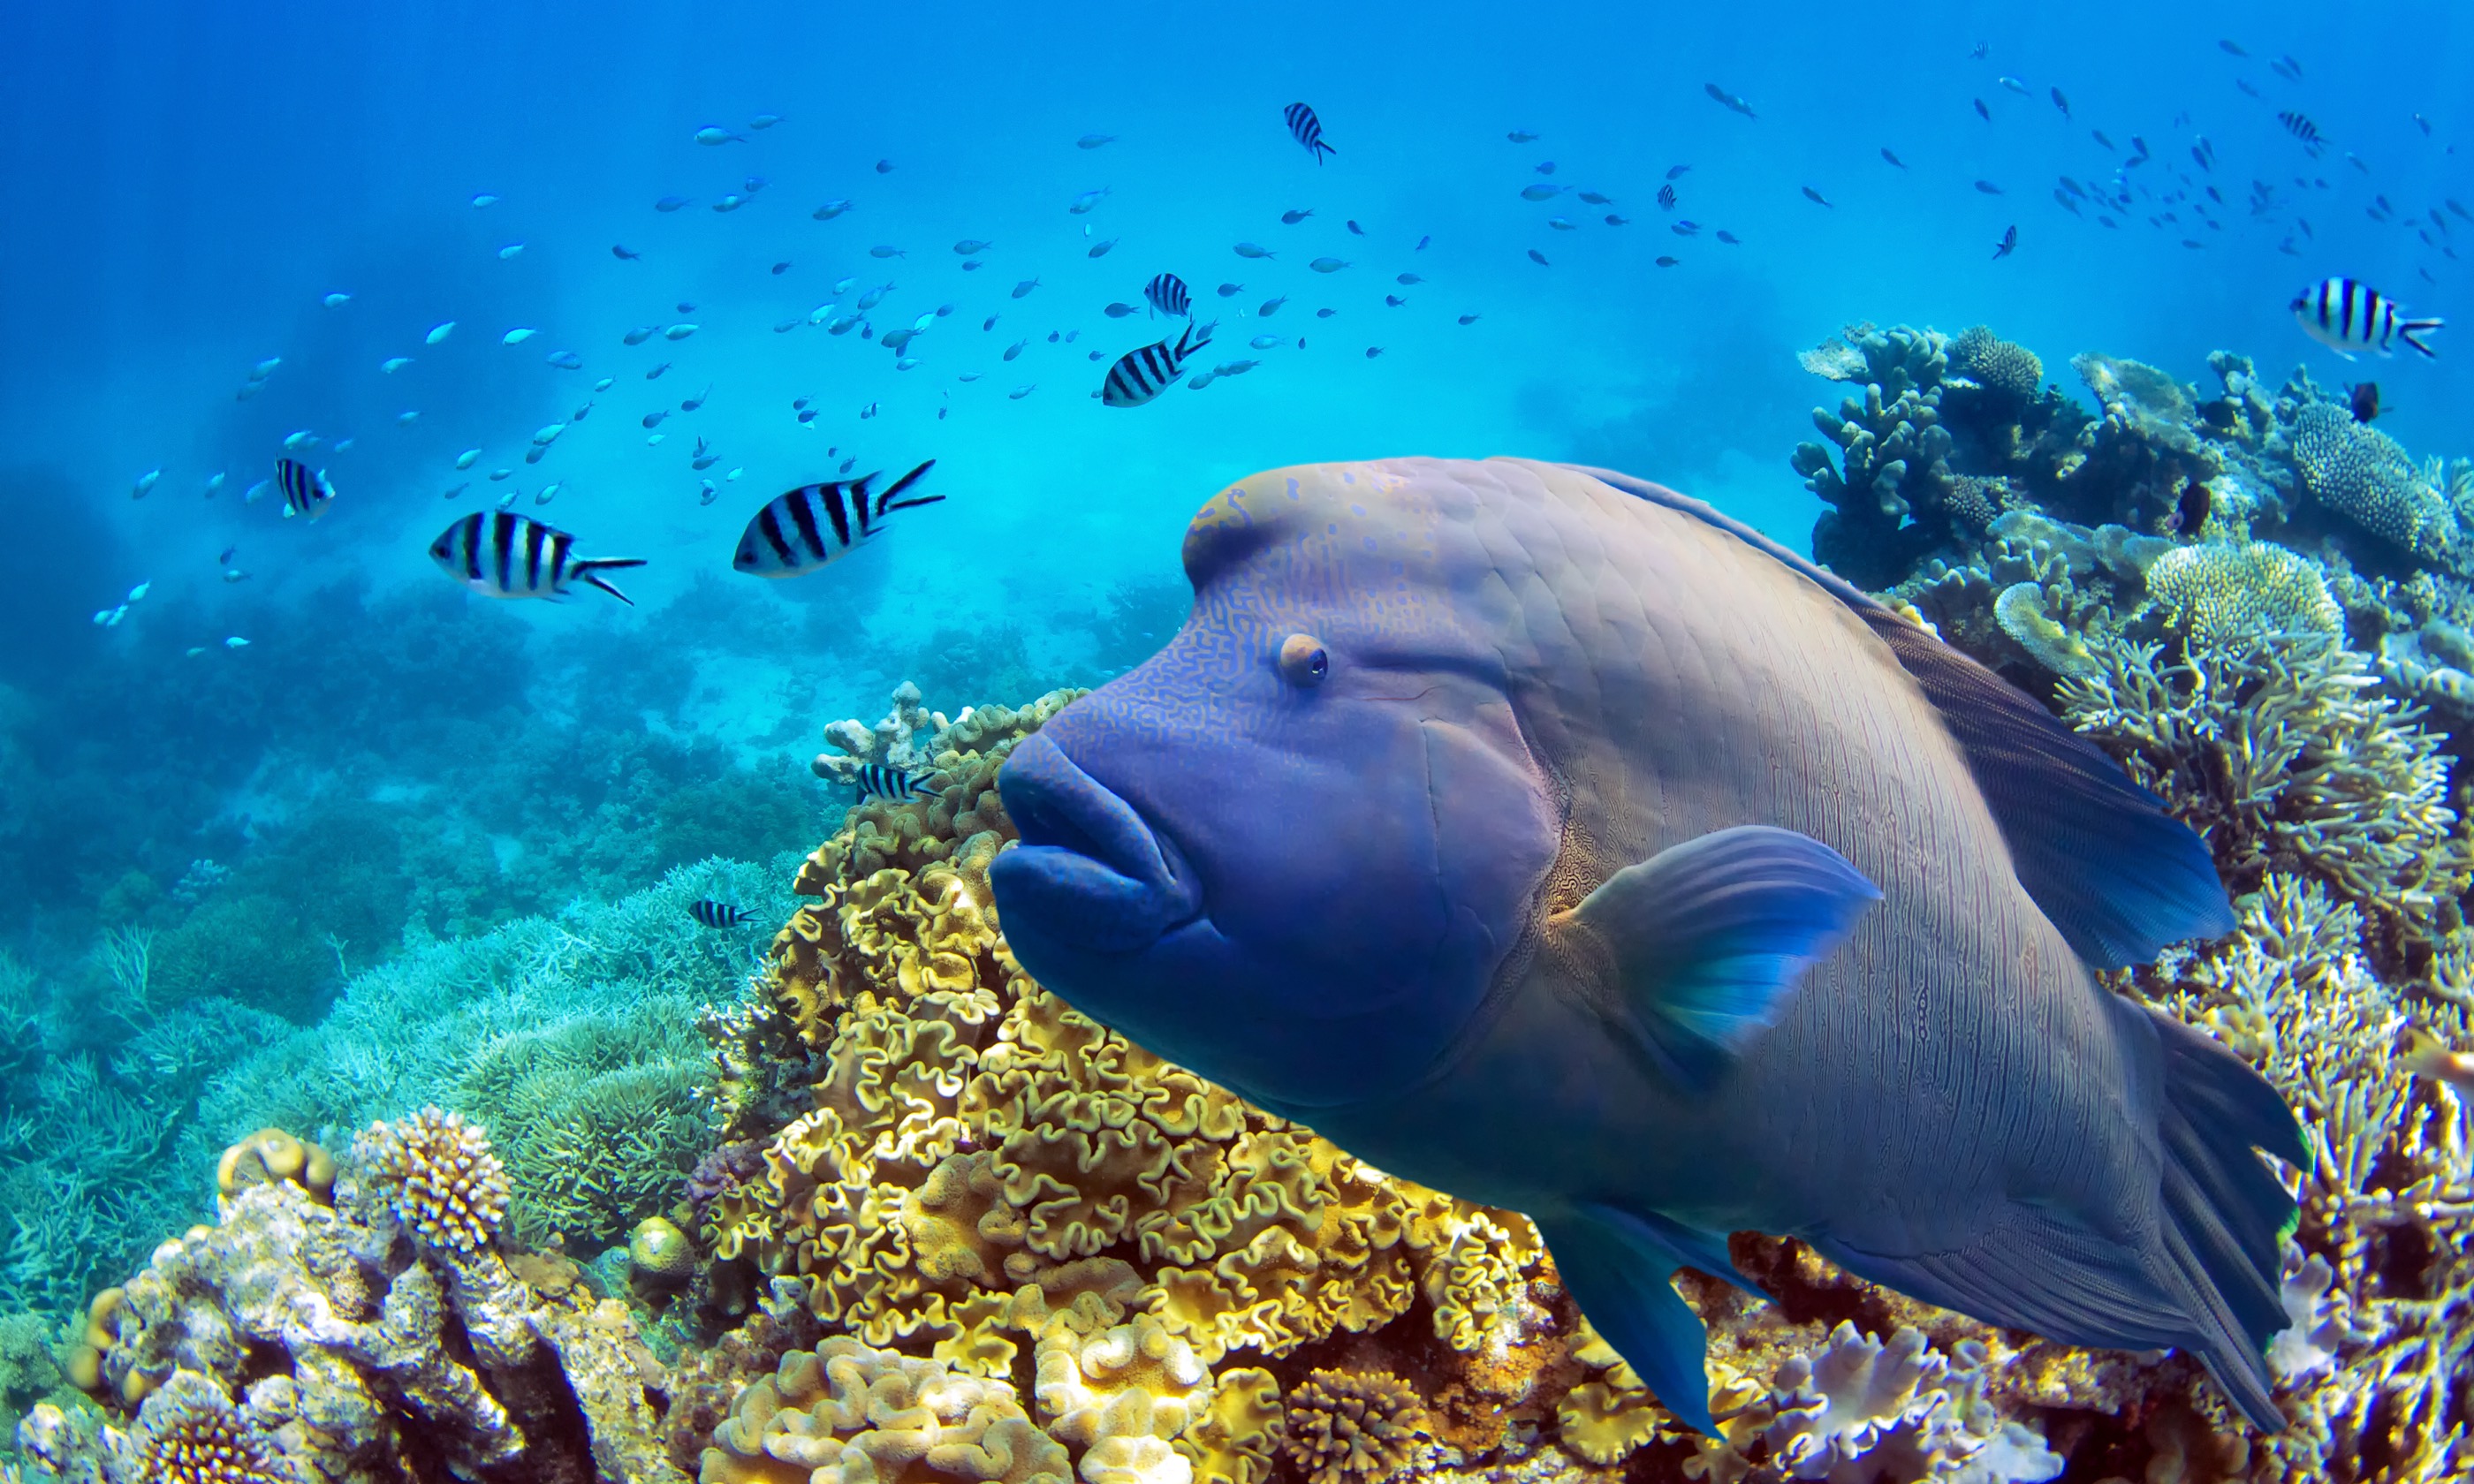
pixel 2276 747
pixel 574 1040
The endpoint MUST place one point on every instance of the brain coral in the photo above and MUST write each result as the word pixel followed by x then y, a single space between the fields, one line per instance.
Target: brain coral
pixel 1997 365
pixel 440 1177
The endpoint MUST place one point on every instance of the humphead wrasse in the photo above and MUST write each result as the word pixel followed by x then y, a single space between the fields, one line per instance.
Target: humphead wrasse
pixel 1540 835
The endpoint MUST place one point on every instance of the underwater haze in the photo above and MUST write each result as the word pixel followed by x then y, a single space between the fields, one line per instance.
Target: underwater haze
pixel 463 533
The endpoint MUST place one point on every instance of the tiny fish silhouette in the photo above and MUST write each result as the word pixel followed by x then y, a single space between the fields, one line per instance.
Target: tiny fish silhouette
pixel 1816 197
pixel 2009 241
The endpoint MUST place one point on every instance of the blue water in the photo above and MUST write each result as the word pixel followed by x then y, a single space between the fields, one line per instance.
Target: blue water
pixel 389 759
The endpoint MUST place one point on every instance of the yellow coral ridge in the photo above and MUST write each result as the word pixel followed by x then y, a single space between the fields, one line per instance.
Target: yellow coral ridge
pixel 856 1415
pixel 271 1154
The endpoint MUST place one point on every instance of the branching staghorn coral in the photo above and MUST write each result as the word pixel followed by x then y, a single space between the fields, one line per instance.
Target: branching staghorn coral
pixel 2382 1289
pixel 572 1039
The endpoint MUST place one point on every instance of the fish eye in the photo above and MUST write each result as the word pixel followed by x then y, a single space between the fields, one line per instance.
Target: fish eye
pixel 1304 660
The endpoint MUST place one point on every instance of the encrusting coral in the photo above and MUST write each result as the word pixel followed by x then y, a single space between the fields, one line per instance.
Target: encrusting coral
pixel 852 1414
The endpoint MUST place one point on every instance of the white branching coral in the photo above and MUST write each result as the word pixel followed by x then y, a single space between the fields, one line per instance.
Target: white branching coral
pixel 439 1175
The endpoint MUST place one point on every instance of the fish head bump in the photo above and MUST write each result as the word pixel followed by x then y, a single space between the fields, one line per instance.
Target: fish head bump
pixel 1294 849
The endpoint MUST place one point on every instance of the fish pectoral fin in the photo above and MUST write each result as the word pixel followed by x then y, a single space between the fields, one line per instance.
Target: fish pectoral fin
pixel 1708 937
pixel 1617 1270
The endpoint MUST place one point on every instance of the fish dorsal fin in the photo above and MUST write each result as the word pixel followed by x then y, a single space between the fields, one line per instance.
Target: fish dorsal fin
pixel 1705 940
pixel 2115 873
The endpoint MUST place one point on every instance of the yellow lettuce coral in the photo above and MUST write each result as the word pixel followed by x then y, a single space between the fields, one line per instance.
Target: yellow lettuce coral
pixel 849 1413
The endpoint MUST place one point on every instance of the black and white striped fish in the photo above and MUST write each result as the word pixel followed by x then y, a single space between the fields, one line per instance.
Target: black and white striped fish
pixel 814 524
pixel 1167 295
pixel 2348 317
pixel 716 914
pixel 500 554
pixel 2301 127
pixel 876 781
pixel 305 493
pixel 1308 130
pixel 1139 376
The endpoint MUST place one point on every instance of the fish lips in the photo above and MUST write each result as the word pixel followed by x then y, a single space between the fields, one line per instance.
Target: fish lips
pixel 1089 877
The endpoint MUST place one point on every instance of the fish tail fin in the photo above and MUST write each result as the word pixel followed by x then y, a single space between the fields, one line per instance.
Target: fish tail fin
pixel 885 501
pixel 2227 1214
pixel 2206 1277
pixel 590 573
pixel 2408 330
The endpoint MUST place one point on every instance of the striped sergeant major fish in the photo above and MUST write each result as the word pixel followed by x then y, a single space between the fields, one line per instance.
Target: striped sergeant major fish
pixel 716 914
pixel 1308 130
pixel 500 554
pixel 801 532
pixel 2346 316
pixel 1139 376
pixel 305 491
pixel 1167 295
pixel 877 780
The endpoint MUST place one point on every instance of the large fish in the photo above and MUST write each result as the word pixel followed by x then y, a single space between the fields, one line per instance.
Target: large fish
pixel 1542 836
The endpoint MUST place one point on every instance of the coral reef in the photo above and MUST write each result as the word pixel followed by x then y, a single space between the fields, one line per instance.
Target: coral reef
pixel 1997 365
pixel 2277 748
pixel 984 1179
pixel 893 1212
pixel 2361 473
pixel 298 1341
